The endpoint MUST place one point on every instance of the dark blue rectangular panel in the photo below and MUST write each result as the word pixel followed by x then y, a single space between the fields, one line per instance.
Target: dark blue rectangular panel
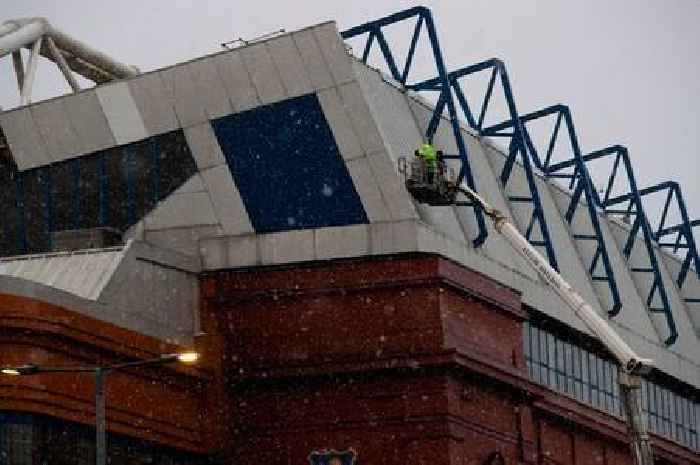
pixel 288 168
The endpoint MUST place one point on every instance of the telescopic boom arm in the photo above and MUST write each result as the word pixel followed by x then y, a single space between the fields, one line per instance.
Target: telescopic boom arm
pixel 631 366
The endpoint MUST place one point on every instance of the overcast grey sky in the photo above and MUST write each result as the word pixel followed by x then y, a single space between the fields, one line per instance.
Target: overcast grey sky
pixel 628 68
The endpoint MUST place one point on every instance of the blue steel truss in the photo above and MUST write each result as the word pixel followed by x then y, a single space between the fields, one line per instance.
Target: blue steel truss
pixel 632 197
pixel 579 183
pixel 683 230
pixel 375 34
pixel 574 170
pixel 517 147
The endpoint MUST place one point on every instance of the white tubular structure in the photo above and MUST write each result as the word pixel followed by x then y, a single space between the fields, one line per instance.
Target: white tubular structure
pixel 628 359
pixel 69 54
pixel 631 366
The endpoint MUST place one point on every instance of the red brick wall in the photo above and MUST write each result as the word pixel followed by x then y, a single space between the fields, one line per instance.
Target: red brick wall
pixel 160 404
pixel 408 360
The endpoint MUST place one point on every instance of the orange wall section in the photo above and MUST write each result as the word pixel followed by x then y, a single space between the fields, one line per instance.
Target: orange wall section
pixel 164 404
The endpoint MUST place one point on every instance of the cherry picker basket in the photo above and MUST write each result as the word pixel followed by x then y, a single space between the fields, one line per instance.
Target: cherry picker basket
pixel 436 190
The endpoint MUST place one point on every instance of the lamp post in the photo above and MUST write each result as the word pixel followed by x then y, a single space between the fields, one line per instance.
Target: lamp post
pixel 99 374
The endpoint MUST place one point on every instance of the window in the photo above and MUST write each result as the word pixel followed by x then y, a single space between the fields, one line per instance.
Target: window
pixel 27 439
pixel 116 188
pixel 589 378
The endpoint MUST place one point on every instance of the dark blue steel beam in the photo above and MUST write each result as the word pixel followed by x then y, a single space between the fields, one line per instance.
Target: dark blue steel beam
pixel 441 84
pixel 682 230
pixel 517 145
pixel 634 200
pixel 448 87
pixel 622 164
pixel 580 183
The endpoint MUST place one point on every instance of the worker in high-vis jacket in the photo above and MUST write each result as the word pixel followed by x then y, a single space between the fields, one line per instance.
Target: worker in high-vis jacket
pixel 430 157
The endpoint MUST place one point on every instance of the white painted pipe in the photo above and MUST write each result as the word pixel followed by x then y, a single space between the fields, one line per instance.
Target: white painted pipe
pixel 92 56
pixel 630 362
pixel 26 94
pixel 18 33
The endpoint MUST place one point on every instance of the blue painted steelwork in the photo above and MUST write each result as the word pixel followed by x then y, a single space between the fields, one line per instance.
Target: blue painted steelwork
pixel 635 207
pixel 574 170
pixel 682 230
pixel 128 160
pixel 517 146
pixel 103 190
pixel 155 161
pixel 48 206
pixel 441 84
pixel 580 184
pixel 75 165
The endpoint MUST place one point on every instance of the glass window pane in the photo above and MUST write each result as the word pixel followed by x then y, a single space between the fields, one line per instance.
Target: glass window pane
pixel 526 340
pixel 551 360
pixel 535 333
pixel 117 205
pixel 63 208
pixel 35 210
pixel 543 356
pixel 585 376
pixel 569 369
pixel 176 162
pixel 89 192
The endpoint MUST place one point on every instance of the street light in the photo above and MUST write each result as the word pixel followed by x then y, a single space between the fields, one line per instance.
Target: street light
pixel 99 372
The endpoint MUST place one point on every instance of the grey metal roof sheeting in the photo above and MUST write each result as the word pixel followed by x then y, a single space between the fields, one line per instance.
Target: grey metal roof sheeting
pixel 83 273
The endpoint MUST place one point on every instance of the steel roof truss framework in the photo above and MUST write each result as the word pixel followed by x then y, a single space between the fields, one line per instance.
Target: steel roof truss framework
pixel 683 230
pixel 441 84
pixel 579 184
pixel 574 170
pixel 517 145
pixel 635 207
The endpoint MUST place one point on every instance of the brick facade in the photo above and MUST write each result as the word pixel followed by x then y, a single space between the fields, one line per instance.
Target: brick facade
pixel 409 359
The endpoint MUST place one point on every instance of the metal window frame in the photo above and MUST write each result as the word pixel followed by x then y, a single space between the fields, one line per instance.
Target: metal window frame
pixel 669 413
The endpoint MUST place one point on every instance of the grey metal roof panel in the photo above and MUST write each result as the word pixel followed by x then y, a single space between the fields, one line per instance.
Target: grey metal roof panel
pixel 83 273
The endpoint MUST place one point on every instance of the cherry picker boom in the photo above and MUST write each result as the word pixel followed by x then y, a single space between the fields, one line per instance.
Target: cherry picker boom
pixel 442 190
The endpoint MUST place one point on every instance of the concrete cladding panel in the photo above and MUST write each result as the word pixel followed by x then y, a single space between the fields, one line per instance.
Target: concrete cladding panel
pixel 122 114
pixel 51 117
pixel 167 307
pixel 198 91
pixel 228 205
pixel 288 62
pixel 310 52
pixel 391 113
pixel 263 73
pixel 88 121
pixel 24 138
pixel 155 103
